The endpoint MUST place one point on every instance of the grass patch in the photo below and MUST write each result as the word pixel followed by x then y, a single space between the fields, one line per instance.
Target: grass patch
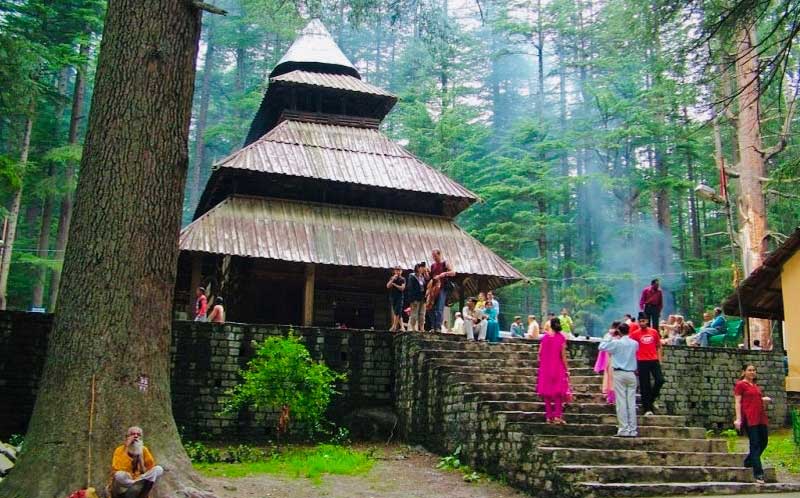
pixel 310 462
pixel 782 453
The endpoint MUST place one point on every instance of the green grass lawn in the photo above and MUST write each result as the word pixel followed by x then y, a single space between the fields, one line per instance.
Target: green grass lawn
pixel 781 452
pixel 311 462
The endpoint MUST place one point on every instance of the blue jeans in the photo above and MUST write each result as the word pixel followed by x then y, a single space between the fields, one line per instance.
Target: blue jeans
pixel 438 310
pixel 705 333
pixel 758 435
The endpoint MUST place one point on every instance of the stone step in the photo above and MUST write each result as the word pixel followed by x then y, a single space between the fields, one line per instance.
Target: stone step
pixel 590 456
pixel 532 362
pixel 598 489
pixel 484 354
pixel 538 406
pixel 697 445
pixel 476 346
pixel 524 387
pixel 595 419
pixel 645 431
pixel 487 393
pixel 502 378
pixel 517 368
pixel 661 474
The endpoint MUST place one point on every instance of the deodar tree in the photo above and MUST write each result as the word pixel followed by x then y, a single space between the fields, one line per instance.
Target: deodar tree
pixel 119 271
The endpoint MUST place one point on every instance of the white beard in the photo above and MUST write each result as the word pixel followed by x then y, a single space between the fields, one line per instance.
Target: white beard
pixel 136 448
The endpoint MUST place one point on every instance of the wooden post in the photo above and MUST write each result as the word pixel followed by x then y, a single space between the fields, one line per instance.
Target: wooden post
pixel 308 295
pixel 194 282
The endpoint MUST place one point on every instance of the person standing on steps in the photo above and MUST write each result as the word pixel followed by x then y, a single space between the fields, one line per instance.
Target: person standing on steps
pixel 200 305
pixel 651 302
pixel 552 382
pixel 751 417
pixel 492 325
pixel 415 294
pixel 441 278
pixel 622 350
pixel 648 359
pixel 396 286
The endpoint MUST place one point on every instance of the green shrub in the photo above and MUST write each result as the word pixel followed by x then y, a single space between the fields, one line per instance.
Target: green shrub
pixel 200 453
pixel 16 440
pixel 244 454
pixel 796 428
pixel 282 377
pixel 731 439
pixel 452 461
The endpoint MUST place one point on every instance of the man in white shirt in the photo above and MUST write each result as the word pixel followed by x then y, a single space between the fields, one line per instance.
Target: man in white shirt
pixel 623 361
pixel 474 320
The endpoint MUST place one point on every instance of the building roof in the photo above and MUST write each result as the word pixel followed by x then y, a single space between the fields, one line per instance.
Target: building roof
pixel 362 156
pixel 315 50
pixel 761 291
pixel 255 227
pixel 336 81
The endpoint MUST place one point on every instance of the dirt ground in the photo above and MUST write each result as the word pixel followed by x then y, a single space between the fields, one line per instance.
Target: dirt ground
pixel 399 472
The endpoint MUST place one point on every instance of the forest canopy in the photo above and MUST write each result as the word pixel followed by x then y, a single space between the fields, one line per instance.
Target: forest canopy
pixel 584 126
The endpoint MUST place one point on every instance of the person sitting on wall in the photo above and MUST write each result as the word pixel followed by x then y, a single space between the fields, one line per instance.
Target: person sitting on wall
pixel 218 311
pixel 517 329
pixel 717 326
pixel 133 470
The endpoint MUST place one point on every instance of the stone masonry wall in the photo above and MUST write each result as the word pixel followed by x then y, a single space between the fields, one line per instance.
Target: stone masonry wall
pixel 206 359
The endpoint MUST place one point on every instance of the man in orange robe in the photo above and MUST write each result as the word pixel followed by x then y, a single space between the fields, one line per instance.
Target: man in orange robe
pixel 133 469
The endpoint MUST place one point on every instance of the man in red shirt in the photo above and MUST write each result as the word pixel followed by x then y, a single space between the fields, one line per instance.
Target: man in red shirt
pixel 648 362
pixel 201 305
pixel 651 302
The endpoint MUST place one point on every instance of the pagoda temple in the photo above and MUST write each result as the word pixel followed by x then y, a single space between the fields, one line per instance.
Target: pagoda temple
pixel 302 225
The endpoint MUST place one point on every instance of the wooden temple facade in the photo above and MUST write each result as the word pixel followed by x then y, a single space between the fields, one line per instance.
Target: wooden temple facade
pixel 302 225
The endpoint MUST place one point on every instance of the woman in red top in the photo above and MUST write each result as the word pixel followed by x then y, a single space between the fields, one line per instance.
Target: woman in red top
pixel 751 416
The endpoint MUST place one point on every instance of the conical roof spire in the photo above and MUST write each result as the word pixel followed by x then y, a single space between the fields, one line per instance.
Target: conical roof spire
pixel 314 50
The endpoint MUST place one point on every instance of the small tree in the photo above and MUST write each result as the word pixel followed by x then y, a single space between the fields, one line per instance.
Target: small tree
pixel 283 377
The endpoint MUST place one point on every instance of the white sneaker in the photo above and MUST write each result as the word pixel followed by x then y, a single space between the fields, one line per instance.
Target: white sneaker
pixel 648 414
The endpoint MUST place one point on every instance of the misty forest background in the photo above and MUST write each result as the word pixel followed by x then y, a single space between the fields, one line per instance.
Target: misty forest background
pixel 584 126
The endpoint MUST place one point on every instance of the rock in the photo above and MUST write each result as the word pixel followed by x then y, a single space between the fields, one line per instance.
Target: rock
pixel 370 424
pixel 5 465
pixel 9 451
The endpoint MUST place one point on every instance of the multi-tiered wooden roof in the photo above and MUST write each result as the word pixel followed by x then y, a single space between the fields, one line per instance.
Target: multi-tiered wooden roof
pixel 318 183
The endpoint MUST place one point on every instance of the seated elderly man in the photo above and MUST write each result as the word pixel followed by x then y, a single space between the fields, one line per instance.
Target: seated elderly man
pixel 133 469
pixel 717 326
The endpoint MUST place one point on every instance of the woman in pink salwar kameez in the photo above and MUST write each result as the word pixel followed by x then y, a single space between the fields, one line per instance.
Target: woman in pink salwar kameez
pixel 552 382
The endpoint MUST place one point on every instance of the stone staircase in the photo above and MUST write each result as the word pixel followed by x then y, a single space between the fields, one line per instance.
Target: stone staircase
pixel 481 398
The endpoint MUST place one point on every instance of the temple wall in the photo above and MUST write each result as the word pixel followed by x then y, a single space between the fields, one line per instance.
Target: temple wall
pixel 206 358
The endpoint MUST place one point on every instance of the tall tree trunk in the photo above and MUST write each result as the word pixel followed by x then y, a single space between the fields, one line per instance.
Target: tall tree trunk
pixel 123 253
pixel 540 60
pixel 752 207
pixel 43 244
pixel 562 120
pixel 13 212
pixel 663 215
pixel 65 214
pixel 202 120
pixel 543 274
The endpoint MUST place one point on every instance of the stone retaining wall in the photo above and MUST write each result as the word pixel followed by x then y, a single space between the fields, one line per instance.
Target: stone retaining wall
pixel 205 361
pixel 380 373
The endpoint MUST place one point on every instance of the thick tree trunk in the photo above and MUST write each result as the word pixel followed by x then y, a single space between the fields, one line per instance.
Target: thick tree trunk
pixel 543 274
pixel 65 214
pixel 13 211
pixel 202 120
pixel 752 208
pixel 122 253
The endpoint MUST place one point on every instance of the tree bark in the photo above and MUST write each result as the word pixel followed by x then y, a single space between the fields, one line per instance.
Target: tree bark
pixel 202 119
pixel 751 204
pixel 543 274
pixel 122 256
pixel 65 214
pixel 13 212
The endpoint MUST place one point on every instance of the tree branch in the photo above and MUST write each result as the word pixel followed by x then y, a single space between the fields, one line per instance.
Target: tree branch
pixel 783 138
pixel 208 8
pixel 782 194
